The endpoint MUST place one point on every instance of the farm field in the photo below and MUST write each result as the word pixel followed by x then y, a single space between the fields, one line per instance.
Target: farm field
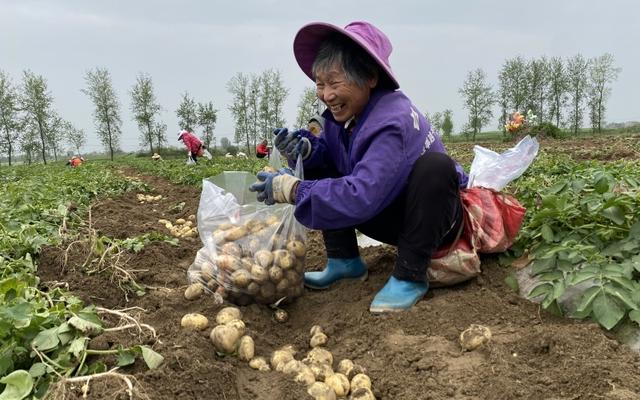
pixel 115 255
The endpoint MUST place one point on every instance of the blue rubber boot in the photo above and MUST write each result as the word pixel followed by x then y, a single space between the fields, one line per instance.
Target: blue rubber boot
pixel 336 269
pixel 397 295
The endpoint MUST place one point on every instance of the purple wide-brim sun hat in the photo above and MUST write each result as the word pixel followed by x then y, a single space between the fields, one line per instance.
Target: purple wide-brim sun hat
pixel 310 37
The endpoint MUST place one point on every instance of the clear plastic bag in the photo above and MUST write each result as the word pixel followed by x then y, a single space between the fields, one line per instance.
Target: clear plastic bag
pixel 494 171
pixel 252 252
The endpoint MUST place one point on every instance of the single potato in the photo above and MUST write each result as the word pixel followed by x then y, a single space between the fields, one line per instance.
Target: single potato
pixel 305 376
pixel 474 337
pixel 318 355
pixel 319 339
pixel 264 258
pixel 228 314
pixel 279 358
pixel 360 381
pixel 321 391
pixel 225 338
pixel 362 394
pixel 345 366
pixel 321 371
pixel 259 363
pixel 283 259
pixel 339 383
pixel 259 274
pixel 194 321
pixel 292 367
pixel 241 278
pixel 194 291
pixel 238 324
pixel 315 329
pixel 236 233
pixel 297 248
pixel 232 249
pixel 246 348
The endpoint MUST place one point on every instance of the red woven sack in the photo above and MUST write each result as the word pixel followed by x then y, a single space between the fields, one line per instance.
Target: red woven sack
pixel 491 222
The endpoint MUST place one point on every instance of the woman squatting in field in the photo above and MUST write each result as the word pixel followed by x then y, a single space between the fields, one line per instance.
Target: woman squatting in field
pixel 378 166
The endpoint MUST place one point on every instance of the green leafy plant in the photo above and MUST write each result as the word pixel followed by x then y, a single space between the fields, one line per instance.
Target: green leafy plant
pixel 583 229
pixel 44 334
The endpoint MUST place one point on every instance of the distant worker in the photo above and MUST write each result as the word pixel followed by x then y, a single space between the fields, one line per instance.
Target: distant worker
pixel 262 150
pixel 194 145
pixel 75 161
pixel 156 157
pixel 316 125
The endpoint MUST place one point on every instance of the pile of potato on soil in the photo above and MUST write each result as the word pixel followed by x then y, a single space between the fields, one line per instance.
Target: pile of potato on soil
pixel 181 228
pixel 315 370
pixel 260 260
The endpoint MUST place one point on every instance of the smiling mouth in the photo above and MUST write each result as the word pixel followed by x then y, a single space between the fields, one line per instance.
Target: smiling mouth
pixel 336 108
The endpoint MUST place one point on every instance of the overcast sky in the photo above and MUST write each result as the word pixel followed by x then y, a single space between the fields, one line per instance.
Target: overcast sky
pixel 198 46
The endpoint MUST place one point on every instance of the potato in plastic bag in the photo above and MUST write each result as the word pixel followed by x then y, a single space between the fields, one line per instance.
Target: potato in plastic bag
pixel 252 252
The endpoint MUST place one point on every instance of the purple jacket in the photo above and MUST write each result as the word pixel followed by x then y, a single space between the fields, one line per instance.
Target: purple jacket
pixel 375 162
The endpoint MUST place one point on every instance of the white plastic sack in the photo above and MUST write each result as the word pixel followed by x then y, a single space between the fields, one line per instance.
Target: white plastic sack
pixel 190 160
pixel 494 171
pixel 206 153
pixel 251 252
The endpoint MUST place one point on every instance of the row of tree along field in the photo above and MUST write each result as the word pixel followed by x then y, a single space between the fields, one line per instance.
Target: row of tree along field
pixel 557 91
pixel 31 126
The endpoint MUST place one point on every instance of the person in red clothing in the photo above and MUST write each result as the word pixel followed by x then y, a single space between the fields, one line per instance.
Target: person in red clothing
pixel 75 161
pixel 193 143
pixel 262 150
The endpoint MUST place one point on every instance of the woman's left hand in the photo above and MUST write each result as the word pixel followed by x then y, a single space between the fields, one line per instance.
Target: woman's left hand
pixel 291 144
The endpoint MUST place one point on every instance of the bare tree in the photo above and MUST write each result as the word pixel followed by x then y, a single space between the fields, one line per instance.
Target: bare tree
pixel 515 71
pixel 207 118
pixel 577 84
pixel 537 80
pixel 502 98
pixel 278 95
pixel 106 111
pixel 145 109
pixel 558 86
pixel 478 99
pixel 601 74
pixel 238 86
pixel 255 128
pixel 436 121
pixel 272 99
pixel 513 88
pixel 159 134
pixel 55 134
pixel 75 136
pixel 30 143
pixel 36 103
pixel 306 107
pixel 9 121
pixel 187 113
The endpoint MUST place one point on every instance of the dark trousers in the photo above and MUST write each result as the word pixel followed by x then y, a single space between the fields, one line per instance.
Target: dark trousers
pixel 427 215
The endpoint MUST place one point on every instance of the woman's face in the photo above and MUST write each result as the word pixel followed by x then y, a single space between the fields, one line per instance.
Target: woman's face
pixel 343 98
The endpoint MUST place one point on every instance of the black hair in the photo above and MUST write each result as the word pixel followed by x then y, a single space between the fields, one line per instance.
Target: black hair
pixel 358 65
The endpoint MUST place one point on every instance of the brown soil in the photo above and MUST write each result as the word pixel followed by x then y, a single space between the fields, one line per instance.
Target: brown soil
pixel 601 148
pixel 409 355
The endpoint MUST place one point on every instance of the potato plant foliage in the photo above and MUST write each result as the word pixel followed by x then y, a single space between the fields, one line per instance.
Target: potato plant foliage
pixel 177 171
pixel 44 334
pixel 583 228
